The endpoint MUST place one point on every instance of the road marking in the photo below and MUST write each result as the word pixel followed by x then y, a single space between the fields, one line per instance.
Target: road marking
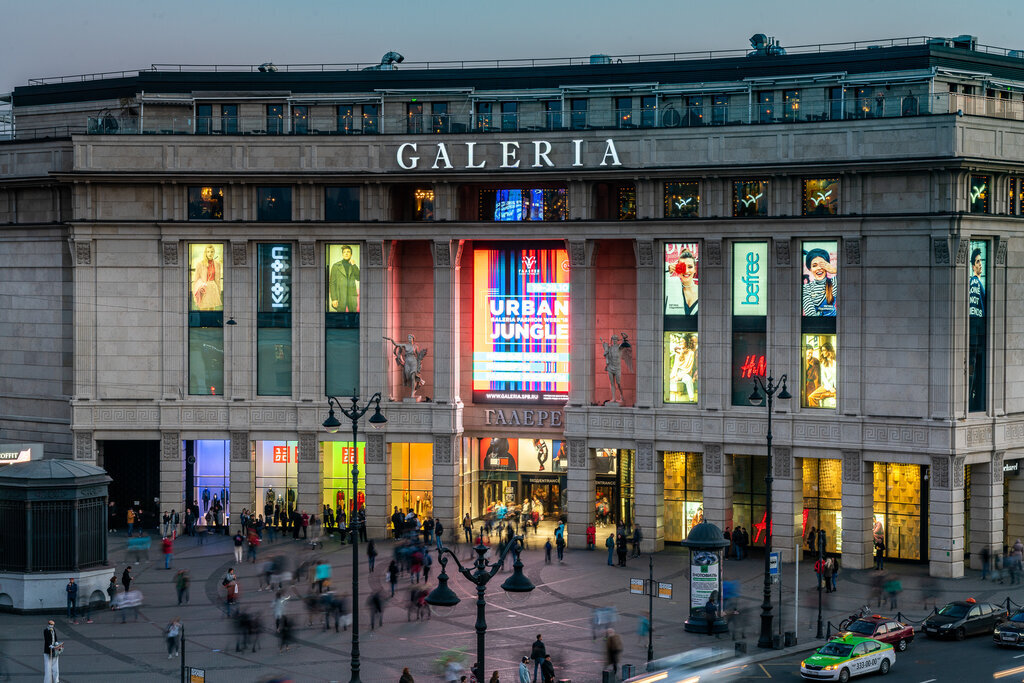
pixel 1018 656
pixel 930 680
pixel 765 670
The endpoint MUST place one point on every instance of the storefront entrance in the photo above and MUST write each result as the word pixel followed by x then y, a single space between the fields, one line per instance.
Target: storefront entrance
pixel 545 495
pixel 901 510
pixel 520 475
pixel 134 467
pixel 276 475
pixel 207 465
pixel 338 492
pixel 412 478
pixel 823 502
pixel 684 494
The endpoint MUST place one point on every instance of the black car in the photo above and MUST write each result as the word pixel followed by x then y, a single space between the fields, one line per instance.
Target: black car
pixel 964 618
pixel 1010 633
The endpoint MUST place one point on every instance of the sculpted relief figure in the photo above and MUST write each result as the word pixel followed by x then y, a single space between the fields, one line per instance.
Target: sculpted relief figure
pixel 409 357
pixel 615 354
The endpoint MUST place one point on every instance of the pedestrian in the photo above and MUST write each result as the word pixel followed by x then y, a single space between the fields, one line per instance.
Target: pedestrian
pixel 879 553
pixel 239 541
pixel 826 574
pixel 252 542
pixel 51 654
pixel 547 551
pixel 112 589
pixel 620 546
pixel 406 676
pixel 173 635
pixel 376 608
pixel 835 572
pixel 182 581
pixel 643 628
pixel 711 611
pixel 613 650
pixel 637 537
pixel 453 669
pixel 560 546
pixel 130 515
pixel 986 561
pixel 547 670
pixel 371 554
pixel 893 588
pixel 279 604
pixel 72 590
pixel 524 671
pixel 126 578
pixel 591 536
pixel 284 632
pixel 467 528
pixel 392 576
pixel 428 562
pixel 322 576
pixel 494 678
pixel 167 545
pixel 610 544
pixel 537 652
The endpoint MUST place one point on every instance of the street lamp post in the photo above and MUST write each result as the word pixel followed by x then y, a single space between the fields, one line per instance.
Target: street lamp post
pixel 332 425
pixel 479 573
pixel 769 388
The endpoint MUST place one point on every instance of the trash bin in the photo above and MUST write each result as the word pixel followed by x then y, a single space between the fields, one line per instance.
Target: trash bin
pixel 777 641
pixel 790 638
pixel 741 648
pixel 627 671
pixel 607 676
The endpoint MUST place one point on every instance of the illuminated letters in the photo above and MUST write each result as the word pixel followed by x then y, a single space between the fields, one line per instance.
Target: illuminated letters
pixel 442 153
pixel 538 154
pixel 508 153
pixel 413 161
pixel 751 279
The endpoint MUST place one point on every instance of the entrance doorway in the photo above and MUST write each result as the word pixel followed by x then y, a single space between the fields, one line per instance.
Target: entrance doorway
pixel 134 467
pixel 545 496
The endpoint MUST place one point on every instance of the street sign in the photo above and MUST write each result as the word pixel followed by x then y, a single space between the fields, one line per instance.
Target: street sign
pixel 636 587
pixel 773 564
pixel 665 590
pixel 196 675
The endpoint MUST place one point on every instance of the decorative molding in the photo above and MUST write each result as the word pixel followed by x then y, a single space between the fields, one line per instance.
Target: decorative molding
pixel 613 421
pixel 997 466
pixel 123 416
pixel 307 254
pixel 679 425
pixel 442 252
pixel 961 252
pixel 958 471
pixel 577 454
pixel 1001 253
pixel 852 251
pixel 442 450
pixel 308 450
pixel 375 254
pixel 204 416
pixel 83 446
pixel 782 462
pixel 940 249
pixel 577 253
pixel 239 253
pixel 853 467
pixel 746 427
pixel 269 416
pixel 644 456
pixel 170 250
pixel 83 253
pixel 170 446
pixel 645 253
pixel 982 434
pixel 1013 431
pixel 892 434
pixel 712 458
pixel 239 446
pixel 817 431
pixel 940 472
pixel 712 252
pixel 375 449
pixel 782 257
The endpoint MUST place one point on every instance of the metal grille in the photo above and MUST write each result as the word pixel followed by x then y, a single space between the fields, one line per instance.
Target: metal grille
pixel 12 535
pixel 52 540
pixel 92 530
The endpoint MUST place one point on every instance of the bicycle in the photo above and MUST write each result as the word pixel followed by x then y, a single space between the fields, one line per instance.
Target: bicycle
pixel 845 623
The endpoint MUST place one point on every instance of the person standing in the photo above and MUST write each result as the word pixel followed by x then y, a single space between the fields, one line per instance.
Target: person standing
pixel 126 578
pixel 392 576
pixel 112 589
pixel 524 671
pixel 547 670
pixel 620 544
pixel 610 544
pixel 467 528
pixel 130 515
pixel 406 676
pixel 173 635
pixel 72 591
pixel 181 584
pixel 547 551
pixel 826 574
pixel 879 553
pixel 371 555
pixel 51 654
pixel 560 547
pixel 167 545
pixel 239 541
pixel 537 652
pixel 711 612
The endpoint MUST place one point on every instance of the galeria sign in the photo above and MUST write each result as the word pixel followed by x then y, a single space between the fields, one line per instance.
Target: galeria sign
pixel 513 154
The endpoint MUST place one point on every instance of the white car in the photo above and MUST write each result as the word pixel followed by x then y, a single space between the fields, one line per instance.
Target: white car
pixel 842 658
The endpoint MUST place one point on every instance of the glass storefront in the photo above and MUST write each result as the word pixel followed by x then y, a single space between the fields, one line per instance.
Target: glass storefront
pixel 276 474
pixel 527 475
pixel 684 494
pixel 211 476
pixel 749 496
pixel 823 501
pixel 412 478
pixel 900 511
pixel 337 457
pixel 613 500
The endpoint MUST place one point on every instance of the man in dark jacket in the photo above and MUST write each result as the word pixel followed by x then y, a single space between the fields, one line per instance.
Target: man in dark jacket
pixel 537 653
pixel 547 670
pixel 51 670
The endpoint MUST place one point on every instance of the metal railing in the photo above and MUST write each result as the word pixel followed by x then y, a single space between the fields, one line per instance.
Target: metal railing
pixel 536 122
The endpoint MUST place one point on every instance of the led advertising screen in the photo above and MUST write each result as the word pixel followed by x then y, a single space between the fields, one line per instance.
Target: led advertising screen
pixel 681 380
pixel 520 325
pixel 820 283
pixel 206 277
pixel 681 278
pixel 976 279
pixel 748 361
pixel 750 278
pixel 818 367
pixel 523 455
pixel 342 278
pixel 275 278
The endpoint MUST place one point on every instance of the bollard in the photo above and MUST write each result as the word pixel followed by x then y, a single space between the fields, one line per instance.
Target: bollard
pixel 607 676
pixel 776 641
pixel 741 648
pixel 790 638
pixel 627 671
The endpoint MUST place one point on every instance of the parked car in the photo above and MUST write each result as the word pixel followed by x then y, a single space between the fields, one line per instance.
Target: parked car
pixel 847 656
pixel 885 629
pixel 1010 633
pixel 963 618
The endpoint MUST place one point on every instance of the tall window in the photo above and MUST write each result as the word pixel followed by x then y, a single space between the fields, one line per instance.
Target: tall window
pixel 510 116
pixel 414 118
pixel 626 195
pixel 345 118
pixel 578 113
pixel 791 105
pixel 229 119
pixel 553 114
pixel 275 119
pixel 338 493
pixel 300 119
pixel 412 479
pixel 342 319
pixel 522 204
pixel 648 111
pixel 484 115
pixel 681 377
pixel 423 204
pixel 821 197
pixel 979 193
pixel 205 203
pixel 749 496
pixel 719 109
pixel 371 119
pixel 750 198
pixel 835 102
pixel 977 313
pixel 623 112
pixel 682 200
pixel 749 317
pixel 694 106
pixel 204 119
pixel 277 480
pixel 439 121
pixel 206 319
pixel 820 307
pixel 899 518
pixel 1011 205
pixel 274 204
pixel 274 320
pixel 766 106
pixel 684 494
pixel 823 501
pixel 341 203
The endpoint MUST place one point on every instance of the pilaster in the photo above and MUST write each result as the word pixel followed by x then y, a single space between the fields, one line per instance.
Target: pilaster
pixel 946 517
pixel 307 324
pixel 647 349
pixel 787 503
pixel 172 473
pixel 85 447
pixel 447 320
pixel 581 319
pixel 378 492
pixel 174 325
pixel 986 508
pixel 309 472
pixel 446 479
pixel 242 476
pixel 240 359
pixel 858 511
pixel 1014 490
pixel 581 483
pixel 649 497
pixel 716 380
pixel 717 486
pixel 84 329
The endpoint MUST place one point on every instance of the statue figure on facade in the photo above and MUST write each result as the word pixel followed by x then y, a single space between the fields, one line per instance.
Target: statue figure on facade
pixel 409 357
pixel 615 354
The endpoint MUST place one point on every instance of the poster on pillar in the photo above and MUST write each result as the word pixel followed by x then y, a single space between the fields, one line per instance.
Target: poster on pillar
pixel 705 572
pixel 520 324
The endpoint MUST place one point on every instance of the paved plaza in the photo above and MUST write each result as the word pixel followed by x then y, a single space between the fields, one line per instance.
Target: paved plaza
pixel 561 609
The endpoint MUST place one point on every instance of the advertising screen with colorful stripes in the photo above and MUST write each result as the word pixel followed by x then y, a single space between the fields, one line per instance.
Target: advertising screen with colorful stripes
pixel 520 324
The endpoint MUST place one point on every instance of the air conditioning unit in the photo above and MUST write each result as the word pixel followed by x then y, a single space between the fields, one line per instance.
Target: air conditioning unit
pixel 600 59
pixel 966 42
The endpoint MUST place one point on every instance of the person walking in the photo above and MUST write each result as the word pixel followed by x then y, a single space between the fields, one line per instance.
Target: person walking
pixel 547 670
pixel 537 652
pixel 392 576
pixel 376 608
pixel 835 572
pixel 613 650
pixel 711 611
pixel 610 544
pixel 467 528
pixel 72 590
pixel 51 654
pixel 406 676
pixel 167 545
pixel 280 599
pixel 986 561
pixel 181 584
pixel 112 589
pixel 371 554
pixel 547 551
pixel 879 553
pixel 524 671
pixel 893 588
pixel 826 574
pixel 560 547
pixel 239 541
pixel 173 635
pixel 126 578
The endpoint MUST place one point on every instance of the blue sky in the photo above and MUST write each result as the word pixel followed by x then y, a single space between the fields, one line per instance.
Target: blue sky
pixel 55 38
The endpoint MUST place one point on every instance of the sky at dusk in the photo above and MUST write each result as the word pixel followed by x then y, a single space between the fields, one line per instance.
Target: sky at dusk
pixel 46 38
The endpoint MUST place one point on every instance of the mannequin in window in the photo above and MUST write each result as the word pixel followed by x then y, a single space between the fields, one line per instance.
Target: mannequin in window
pixel 206 499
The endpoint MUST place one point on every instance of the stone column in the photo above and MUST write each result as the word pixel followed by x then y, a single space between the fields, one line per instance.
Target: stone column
pixel 714 359
pixel 172 473
pixel 374 302
pixel 581 322
pixel 85 447
pixel 173 335
pixel 447 320
pixel 242 481
pixel 84 329
pixel 986 508
pixel 787 503
pixel 858 510
pixel 581 483
pixel 378 490
pixel 307 325
pixel 309 472
pixel 717 486
pixel 647 347
pixel 648 497
pixel 946 517
pixel 446 479
pixel 240 362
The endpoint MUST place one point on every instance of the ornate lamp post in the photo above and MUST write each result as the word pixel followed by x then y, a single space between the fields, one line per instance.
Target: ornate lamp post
pixel 769 388
pixel 332 425
pixel 479 573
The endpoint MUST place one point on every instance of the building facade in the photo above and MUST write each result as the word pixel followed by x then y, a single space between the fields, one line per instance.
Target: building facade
pixel 196 260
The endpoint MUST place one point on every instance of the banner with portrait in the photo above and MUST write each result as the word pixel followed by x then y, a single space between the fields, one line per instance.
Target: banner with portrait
pixel 681 380
pixel 342 278
pixel 681 278
pixel 977 312
pixel 206 277
pixel 818 371
pixel 819 294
